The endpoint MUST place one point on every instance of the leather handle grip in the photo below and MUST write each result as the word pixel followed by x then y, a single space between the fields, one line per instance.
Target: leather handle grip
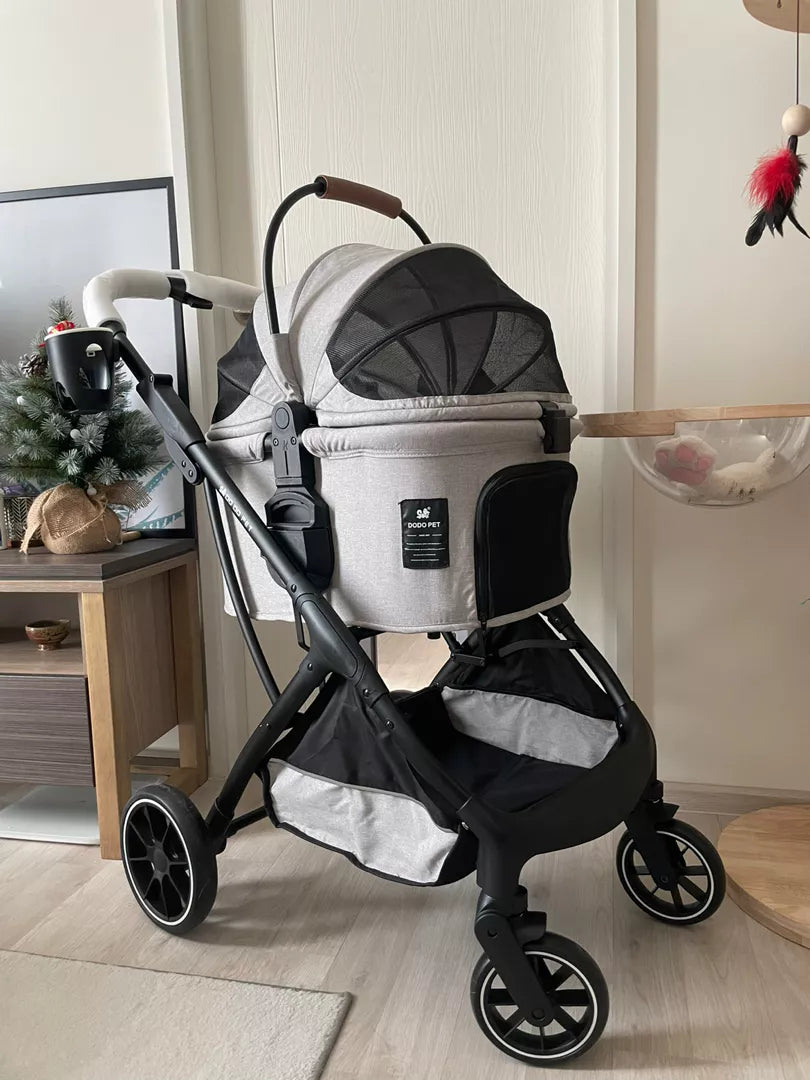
pixel 359 195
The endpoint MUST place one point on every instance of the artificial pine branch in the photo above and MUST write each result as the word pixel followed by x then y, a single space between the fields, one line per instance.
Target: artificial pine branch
pixel 42 445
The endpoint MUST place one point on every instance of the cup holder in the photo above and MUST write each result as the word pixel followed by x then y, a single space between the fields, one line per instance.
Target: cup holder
pixel 82 365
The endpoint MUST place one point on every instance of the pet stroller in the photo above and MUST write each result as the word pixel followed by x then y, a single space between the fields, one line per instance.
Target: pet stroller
pixel 390 450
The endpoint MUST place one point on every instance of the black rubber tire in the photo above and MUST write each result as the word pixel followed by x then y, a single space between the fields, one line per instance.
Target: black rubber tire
pixel 531 1043
pixel 168 858
pixel 698 864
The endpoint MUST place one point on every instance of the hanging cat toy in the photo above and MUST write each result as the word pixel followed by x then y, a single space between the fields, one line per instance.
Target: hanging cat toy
pixel 777 177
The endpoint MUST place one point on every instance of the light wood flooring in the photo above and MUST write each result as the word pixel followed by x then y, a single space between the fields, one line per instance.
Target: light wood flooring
pixel 726 999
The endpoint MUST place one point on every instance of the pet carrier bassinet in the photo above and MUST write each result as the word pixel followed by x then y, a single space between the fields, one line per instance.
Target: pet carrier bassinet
pixel 437 396
pixel 402 447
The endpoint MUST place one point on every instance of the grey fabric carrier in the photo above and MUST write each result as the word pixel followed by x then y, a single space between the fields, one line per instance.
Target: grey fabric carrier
pixel 427 376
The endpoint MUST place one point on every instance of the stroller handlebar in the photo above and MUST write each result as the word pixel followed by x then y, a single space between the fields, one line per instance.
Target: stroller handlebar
pixel 198 290
pixel 348 191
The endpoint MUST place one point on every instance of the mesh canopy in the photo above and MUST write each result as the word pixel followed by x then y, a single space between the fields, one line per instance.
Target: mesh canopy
pixel 442 323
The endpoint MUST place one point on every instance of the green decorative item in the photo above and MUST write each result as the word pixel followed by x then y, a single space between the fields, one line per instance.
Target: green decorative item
pixel 41 446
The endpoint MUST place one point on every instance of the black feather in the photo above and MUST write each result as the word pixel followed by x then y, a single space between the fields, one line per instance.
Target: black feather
pixel 755 229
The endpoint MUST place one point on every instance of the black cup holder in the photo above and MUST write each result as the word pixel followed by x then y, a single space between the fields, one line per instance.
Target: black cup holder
pixel 82 364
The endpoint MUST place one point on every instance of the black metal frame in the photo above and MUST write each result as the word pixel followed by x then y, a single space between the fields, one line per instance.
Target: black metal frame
pixel 156 183
pixel 623 787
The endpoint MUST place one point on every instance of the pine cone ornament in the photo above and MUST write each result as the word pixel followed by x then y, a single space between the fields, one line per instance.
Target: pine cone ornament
pixel 34 365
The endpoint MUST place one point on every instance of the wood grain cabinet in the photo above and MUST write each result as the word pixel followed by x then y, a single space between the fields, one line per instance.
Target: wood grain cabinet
pixel 131 672
pixel 45 729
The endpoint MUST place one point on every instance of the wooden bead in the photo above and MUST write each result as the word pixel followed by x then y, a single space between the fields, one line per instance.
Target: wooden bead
pixel 796 120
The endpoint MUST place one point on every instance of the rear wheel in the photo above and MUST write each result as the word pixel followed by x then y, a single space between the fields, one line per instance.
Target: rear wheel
pixel 576 987
pixel 697 882
pixel 168 858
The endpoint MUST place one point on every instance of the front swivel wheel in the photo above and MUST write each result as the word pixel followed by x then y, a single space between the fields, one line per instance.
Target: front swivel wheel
pixel 696 880
pixel 168 858
pixel 574 984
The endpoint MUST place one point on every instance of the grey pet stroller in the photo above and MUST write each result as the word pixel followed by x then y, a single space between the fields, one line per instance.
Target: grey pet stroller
pixel 390 447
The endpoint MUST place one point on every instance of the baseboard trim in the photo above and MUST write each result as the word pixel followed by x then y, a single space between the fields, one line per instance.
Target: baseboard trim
pixel 719 799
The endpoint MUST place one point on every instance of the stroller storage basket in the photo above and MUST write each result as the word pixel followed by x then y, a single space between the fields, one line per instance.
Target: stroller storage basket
pixel 341 782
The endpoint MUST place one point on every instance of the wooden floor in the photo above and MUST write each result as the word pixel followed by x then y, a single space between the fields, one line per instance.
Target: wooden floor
pixel 726 999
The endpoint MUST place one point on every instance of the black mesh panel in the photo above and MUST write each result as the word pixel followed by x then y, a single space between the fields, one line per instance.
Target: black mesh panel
pixel 237 371
pixel 442 323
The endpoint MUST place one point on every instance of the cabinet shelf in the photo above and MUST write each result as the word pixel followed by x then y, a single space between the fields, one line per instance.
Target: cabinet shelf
pixel 18 656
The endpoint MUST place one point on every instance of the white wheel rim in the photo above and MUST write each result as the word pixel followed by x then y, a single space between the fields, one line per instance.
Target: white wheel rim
pixel 485 986
pixel 141 900
pixel 629 847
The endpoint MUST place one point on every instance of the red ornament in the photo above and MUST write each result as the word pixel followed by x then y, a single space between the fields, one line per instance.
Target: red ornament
pixel 60 326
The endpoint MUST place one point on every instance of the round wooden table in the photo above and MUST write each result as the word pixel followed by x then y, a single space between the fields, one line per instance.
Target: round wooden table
pixel 766 853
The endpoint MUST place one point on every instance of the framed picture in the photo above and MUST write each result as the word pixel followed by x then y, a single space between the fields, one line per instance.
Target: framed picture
pixel 52 242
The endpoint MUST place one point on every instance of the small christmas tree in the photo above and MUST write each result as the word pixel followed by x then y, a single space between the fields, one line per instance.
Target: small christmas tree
pixel 42 445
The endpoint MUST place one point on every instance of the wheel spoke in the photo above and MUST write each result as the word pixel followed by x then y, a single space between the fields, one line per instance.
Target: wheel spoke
pixel 565 1020
pixel 677 900
pixel 696 871
pixel 138 858
pixel 168 879
pixel 500 997
pixel 514 1021
pixel 572 997
pixel 693 890
pixel 552 982
pixel 134 826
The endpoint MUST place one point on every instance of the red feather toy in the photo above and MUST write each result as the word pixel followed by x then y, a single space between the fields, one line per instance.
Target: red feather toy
pixel 773 186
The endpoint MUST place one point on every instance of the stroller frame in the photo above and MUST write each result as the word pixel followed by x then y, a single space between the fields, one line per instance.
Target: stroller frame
pixel 507 841
pixel 622 787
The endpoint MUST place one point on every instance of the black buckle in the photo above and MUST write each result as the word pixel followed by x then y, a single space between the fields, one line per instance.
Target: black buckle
pixel 461 655
pixel 179 292
pixel 556 430
pixel 296 512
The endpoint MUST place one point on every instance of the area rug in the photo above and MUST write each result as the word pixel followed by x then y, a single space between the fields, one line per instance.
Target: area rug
pixel 70 1020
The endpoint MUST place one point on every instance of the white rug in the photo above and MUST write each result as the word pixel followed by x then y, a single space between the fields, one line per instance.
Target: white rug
pixel 70 1020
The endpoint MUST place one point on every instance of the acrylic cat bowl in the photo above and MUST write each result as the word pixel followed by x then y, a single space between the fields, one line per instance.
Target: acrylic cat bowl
pixel 725 456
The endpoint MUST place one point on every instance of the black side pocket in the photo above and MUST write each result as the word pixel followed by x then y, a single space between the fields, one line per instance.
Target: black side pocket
pixel 522 557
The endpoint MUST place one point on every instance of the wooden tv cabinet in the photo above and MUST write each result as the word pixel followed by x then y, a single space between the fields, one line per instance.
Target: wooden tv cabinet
pixel 130 671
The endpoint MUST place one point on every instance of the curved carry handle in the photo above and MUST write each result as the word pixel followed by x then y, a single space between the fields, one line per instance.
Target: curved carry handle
pixel 329 187
pixel 359 195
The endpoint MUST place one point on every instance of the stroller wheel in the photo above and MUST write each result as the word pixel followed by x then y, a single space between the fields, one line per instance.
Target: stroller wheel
pixel 572 980
pixel 168 858
pixel 698 879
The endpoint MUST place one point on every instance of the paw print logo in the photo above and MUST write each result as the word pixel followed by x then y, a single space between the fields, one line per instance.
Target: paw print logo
pixel 423 513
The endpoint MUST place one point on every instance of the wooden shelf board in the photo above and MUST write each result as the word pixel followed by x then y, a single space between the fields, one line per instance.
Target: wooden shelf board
pixel 19 657
pixel 645 422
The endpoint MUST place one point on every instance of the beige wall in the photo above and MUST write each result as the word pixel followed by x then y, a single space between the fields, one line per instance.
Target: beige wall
pixel 83 92
pixel 487 118
pixel 722 657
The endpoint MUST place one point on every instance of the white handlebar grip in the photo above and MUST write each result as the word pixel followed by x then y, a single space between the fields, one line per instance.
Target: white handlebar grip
pixel 100 294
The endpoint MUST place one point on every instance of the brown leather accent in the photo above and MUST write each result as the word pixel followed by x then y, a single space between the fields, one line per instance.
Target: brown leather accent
pixel 360 195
